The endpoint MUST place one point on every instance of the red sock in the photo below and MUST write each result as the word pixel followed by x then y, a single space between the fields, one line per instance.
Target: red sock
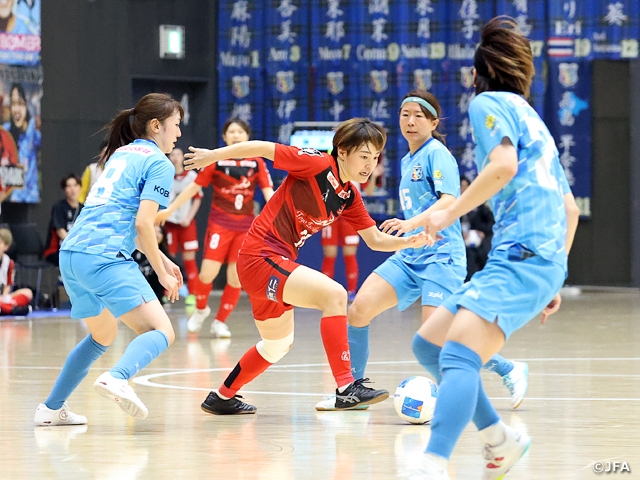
pixel 192 273
pixel 328 266
pixel 202 291
pixel 351 267
pixel 336 344
pixel 249 367
pixel 21 300
pixel 228 302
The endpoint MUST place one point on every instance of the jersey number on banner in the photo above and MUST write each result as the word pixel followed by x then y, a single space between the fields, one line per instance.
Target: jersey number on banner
pixel 103 188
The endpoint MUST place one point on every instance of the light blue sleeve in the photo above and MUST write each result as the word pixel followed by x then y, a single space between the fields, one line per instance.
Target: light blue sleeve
pixel 158 179
pixel 492 120
pixel 445 173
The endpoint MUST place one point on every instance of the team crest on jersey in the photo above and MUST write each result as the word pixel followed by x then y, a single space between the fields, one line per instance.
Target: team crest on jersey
pixel 466 76
pixel 568 74
pixel 490 121
pixel 416 174
pixel 422 79
pixel 379 81
pixel 240 86
pixel 284 81
pixel 335 82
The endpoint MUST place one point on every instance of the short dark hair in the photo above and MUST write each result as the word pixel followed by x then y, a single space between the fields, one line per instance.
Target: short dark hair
pixel 67 177
pixel 238 121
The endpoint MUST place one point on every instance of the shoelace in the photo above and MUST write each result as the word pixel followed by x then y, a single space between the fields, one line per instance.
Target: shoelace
pixel 509 384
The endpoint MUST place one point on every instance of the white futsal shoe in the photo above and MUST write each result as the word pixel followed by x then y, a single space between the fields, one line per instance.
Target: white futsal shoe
pixel 500 458
pixel 63 416
pixel 517 381
pixel 197 319
pixel 220 330
pixel 120 391
pixel 429 470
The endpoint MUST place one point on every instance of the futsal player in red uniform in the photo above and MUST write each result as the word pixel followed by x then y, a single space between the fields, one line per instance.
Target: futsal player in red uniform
pixel 234 181
pixel 316 192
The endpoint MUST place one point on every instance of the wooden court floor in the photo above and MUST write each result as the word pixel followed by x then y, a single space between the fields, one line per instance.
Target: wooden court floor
pixel 583 404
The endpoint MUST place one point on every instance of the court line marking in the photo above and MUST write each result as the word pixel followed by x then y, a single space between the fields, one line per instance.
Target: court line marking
pixel 145 380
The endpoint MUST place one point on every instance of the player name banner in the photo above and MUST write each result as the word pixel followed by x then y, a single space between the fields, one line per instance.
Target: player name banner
pixel 612 29
pixel 20 137
pixel 240 63
pixel 20 32
pixel 569 120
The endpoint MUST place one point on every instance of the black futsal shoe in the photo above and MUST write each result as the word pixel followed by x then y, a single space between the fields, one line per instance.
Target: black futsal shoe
pixel 234 406
pixel 357 394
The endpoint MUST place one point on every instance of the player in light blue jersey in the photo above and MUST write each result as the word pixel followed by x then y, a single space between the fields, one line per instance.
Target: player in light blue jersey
pixel 430 181
pixel 536 218
pixel 103 282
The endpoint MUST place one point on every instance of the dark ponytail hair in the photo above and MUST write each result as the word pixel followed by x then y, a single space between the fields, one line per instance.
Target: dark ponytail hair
pixel 131 124
pixel 431 99
pixel 503 60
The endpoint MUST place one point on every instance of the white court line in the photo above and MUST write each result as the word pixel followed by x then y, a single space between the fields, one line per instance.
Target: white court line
pixel 145 380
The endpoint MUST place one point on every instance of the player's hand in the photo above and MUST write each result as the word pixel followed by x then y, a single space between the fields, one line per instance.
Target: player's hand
pixel 419 240
pixel 171 285
pixel 199 158
pixel 173 270
pixel 552 308
pixel 398 226
pixel 161 217
pixel 185 223
pixel 436 221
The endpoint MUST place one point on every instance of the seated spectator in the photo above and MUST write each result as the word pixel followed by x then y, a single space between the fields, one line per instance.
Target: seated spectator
pixel 11 303
pixel 91 175
pixel 63 216
pixel 477 231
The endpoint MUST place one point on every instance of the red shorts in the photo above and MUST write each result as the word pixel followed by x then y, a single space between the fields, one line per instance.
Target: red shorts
pixel 181 238
pixel 339 233
pixel 263 279
pixel 222 245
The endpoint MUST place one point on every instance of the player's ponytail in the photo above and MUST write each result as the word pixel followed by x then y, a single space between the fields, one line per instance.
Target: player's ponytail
pixel 503 60
pixel 132 123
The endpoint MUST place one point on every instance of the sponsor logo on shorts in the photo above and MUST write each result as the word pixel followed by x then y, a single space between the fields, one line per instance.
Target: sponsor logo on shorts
pixel 272 288
pixel 161 191
pixel 439 295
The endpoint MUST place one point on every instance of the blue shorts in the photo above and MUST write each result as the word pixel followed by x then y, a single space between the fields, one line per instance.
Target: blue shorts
pixel 94 282
pixel 434 282
pixel 512 288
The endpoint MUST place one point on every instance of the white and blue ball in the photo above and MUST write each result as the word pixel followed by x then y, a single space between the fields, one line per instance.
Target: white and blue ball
pixel 415 399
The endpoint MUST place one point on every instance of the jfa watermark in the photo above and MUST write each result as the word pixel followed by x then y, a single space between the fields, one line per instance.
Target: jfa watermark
pixel 611 467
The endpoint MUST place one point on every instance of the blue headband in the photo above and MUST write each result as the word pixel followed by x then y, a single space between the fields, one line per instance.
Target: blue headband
pixel 422 102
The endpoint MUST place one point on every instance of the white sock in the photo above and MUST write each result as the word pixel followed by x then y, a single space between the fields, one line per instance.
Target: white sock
pixel 494 434
pixel 435 460
pixel 222 396
pixel 343 388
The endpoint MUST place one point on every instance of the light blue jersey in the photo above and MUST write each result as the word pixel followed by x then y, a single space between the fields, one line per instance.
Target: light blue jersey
pixel 426 174
pixel 530 209
pixel 106 224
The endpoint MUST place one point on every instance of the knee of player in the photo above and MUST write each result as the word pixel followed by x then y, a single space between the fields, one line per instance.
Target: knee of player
pixel 336 298
pixel 170 334
pixel 359 314
pixel 274 350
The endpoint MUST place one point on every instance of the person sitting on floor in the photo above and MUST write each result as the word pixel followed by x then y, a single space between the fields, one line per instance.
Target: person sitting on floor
pixel 11 303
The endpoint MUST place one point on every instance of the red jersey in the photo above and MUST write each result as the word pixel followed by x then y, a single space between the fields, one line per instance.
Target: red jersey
pixel 234 184
pixel 311 197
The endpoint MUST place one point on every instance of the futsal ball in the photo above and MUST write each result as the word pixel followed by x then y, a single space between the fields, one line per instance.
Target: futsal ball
pixel 415 399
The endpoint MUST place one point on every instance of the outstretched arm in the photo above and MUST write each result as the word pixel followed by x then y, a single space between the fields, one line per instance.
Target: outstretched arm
pixel 202 157
pixel 383 242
